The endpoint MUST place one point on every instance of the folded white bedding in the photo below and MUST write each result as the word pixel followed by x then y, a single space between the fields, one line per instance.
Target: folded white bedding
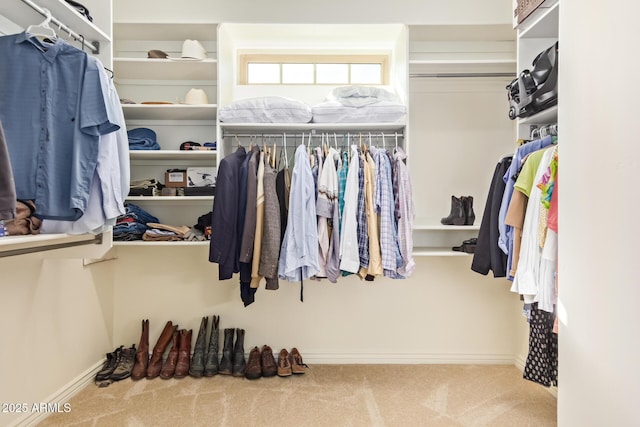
pixel 268 109
pixel 379 112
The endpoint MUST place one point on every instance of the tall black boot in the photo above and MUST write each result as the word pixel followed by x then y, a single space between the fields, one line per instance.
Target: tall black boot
pixel 211 361
pixel 456 216
pixel 196 367
pixel 467 205
pixel 239 362
pixel 226 363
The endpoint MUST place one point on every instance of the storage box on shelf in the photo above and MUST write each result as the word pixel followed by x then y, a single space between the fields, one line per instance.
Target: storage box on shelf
pixel 166 82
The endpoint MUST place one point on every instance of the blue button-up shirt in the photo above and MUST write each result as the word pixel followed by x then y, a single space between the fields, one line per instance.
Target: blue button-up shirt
pixel 53 111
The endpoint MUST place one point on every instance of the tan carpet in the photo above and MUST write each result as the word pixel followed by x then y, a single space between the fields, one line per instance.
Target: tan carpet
pixel 326 395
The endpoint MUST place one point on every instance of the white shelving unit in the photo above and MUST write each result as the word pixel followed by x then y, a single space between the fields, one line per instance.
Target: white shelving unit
pixel 144 79
pixel 535 34
pixel 169 111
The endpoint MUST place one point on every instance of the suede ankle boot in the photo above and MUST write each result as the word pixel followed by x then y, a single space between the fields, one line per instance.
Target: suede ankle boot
pixel 184 354
pixel 155 364
pixel 239 362
pixel 469 215
pixel 142 356
pixel 456 216
pixel 169 365
pixel 125 364
pixel 196 368
pixel 226 363
pixel 211 361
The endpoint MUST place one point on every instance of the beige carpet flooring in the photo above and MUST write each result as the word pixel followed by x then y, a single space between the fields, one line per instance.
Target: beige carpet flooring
pixel 326 395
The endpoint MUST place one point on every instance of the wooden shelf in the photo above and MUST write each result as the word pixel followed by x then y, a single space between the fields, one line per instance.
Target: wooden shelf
pixel 466 66
pixel 543 23
pixel 437 252
pixel 170 112
pixel 544 117
pixel 164 69
pixel 165 31
pixel 167 199
pixel 439 227
pixel 24 16
pixel 160 243
pixel 354 128
pixel 88 243
pixel 173 154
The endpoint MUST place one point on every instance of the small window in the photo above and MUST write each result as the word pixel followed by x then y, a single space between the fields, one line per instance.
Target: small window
pixel 313 69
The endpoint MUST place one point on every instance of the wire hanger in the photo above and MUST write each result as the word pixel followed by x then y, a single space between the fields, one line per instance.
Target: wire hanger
pixel 43 31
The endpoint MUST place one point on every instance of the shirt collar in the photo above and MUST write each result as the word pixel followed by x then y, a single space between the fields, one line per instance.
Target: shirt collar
pixel 49 51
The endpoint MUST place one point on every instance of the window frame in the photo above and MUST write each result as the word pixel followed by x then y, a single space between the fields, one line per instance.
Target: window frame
pixel 244 59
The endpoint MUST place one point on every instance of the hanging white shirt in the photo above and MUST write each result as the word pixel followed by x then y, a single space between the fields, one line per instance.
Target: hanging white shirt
pixel 349 252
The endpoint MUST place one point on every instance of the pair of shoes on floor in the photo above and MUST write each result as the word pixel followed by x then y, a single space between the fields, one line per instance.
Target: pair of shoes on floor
pixel 117 366
pixel 290 363
pixel 261 363
pixel 468 246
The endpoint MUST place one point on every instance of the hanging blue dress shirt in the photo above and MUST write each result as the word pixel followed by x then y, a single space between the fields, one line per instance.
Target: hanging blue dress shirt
pixel 53 109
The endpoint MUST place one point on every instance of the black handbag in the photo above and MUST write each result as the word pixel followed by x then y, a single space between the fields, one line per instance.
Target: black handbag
pixel 82 9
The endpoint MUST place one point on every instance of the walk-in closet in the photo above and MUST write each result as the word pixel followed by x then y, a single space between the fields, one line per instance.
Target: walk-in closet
pixel 420 318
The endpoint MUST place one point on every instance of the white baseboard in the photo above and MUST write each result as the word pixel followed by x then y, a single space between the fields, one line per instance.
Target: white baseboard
pixel 62 396
pixel 408 358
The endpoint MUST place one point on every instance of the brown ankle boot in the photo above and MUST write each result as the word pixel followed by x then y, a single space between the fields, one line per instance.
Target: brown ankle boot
pixel 142 355
pixel 155 364
pixel 184 354
pixel 169 366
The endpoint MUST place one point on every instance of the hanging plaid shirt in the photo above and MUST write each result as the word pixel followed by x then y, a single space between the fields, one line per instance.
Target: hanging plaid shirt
pixel 384 206
pixel 343 170
pixel 363 236
pixel 407 213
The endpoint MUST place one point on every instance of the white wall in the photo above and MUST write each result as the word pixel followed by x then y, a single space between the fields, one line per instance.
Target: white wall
pixel 57 319
pixel 328 11
pixel 444 314
pixel 599 379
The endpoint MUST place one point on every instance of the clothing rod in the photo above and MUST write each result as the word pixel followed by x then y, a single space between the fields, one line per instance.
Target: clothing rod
pixel 41 248
pixel 62 26
pixel 455 75
pixel 315 135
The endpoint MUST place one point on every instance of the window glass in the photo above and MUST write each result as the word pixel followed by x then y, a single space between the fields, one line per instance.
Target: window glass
pixel 263 73
pixel 332 73
pixel 366 74
pixel 297 73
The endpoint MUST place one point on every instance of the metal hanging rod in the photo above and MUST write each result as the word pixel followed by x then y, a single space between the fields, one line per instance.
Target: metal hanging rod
pixel 93 46
pixel 315 135
pixel 96 240
pixel 456 75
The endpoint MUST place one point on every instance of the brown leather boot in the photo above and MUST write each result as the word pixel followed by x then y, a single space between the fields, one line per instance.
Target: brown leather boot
pixel 253 370
pixel 169 366
pixel 184 354
pixel 155 364
pixel 268 362
pixel 142 355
